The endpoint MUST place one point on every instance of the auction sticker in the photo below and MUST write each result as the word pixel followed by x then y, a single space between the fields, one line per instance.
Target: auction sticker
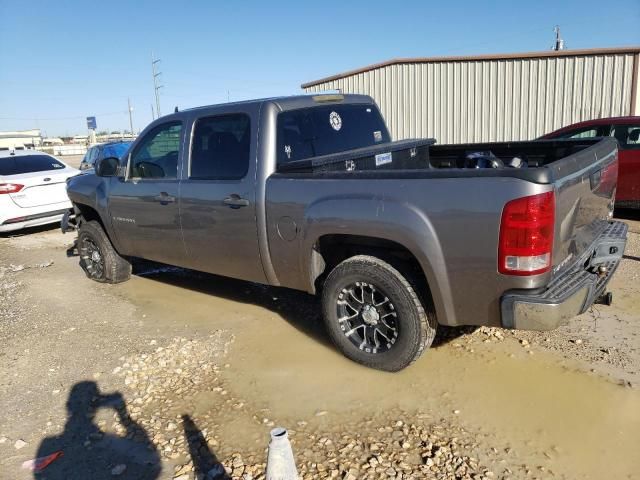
pixel 383 158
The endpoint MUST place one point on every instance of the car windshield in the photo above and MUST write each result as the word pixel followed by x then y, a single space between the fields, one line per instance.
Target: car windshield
pixel 115 150
pixel 15 165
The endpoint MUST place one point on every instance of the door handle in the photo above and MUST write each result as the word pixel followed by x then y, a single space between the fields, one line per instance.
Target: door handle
pixel 235 201
pixel 164 198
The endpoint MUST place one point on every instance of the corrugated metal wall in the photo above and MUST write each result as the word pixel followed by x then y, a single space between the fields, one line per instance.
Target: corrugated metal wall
pixel 494 100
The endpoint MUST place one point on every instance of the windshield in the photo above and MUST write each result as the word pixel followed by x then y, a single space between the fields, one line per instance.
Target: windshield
pixel 15 165
pixel 116 150
pixel 322 130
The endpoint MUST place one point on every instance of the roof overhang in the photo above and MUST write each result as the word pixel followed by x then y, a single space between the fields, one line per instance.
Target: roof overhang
pixel 498 56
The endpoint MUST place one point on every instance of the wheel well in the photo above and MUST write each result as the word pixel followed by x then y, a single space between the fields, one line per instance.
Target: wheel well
pixel 333 249
pixel 88 213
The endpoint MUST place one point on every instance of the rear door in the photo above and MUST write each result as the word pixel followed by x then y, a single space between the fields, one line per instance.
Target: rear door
pixel 628 137
pixel 144 205
pixel 218 197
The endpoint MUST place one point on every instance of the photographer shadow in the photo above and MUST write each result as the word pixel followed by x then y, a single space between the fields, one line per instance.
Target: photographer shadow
pixel 87 452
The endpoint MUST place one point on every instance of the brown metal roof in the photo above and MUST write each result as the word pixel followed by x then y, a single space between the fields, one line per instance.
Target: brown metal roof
pixel 498 56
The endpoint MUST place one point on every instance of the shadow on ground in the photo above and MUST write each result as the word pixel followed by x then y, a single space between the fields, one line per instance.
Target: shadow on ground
pixel 205 462
pixel 299 309
pixel 88 452
pixel 31 230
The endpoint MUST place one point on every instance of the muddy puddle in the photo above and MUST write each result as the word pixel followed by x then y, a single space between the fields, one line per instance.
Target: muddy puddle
pixel 582 425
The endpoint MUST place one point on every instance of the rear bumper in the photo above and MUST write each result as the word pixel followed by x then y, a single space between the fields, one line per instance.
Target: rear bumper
pixel 33 220
pixel 570 293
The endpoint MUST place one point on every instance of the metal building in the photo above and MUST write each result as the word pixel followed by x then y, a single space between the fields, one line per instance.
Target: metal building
pixel 496 97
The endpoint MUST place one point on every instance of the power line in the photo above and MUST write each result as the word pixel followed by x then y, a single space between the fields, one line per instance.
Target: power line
pixel 62 118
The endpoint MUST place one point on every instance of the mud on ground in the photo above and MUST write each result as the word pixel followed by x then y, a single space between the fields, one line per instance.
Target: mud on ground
pixel 176 374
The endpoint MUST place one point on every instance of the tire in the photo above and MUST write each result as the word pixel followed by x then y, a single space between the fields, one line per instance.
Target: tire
pixel 405 326
pixel 105 266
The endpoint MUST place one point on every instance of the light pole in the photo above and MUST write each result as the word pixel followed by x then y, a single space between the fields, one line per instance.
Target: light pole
pixel 130 117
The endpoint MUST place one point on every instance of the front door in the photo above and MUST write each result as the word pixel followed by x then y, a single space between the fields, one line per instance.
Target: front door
pixel 218 203
pixel 144 205
pixel 628 137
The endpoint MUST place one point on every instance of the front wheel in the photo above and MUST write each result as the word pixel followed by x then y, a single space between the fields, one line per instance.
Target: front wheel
pixel 374 315
pixel 98 258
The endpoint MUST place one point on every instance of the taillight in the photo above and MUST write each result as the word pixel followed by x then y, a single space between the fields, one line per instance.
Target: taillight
pixel 526 235
pixel 10 187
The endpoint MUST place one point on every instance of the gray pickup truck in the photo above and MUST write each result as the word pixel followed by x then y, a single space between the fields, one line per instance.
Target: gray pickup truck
pixel 310 193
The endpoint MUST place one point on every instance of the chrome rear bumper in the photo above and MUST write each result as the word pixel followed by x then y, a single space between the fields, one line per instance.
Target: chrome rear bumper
pixel 570 293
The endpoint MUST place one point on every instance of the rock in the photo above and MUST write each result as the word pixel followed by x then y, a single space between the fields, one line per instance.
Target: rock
pixel 118 469
pixel 182 477
pixel 3 439
pixel 19 444
pixel 321 413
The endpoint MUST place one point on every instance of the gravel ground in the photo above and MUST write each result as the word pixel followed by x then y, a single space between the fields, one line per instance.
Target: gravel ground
pixel 183 376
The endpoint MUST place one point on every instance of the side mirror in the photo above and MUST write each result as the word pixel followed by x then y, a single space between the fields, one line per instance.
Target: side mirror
pixel 107 167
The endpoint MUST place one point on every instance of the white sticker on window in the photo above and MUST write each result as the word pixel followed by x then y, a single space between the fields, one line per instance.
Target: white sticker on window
pixel 377 136
pixel 383 158
pixel 287 150
pixel 335 121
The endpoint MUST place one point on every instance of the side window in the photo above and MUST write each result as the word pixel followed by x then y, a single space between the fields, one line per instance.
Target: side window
pixel 90 157
pixel 627 136
pixel 157 154
pixel 220 148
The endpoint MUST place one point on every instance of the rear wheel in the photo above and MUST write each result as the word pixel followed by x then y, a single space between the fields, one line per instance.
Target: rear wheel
pixel 98 258
pixel 374 315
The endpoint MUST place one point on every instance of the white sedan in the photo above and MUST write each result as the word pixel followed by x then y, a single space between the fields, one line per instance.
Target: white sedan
pixel 32 189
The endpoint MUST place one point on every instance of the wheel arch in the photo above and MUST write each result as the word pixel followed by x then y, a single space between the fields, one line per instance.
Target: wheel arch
pixel 332 248
pixel 89 213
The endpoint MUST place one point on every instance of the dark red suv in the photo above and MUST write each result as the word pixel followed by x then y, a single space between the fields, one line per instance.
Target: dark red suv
pixel 627 131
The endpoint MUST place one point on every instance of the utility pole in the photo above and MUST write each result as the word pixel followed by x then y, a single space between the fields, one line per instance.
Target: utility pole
pixel 130 117
pixel 153 116
pixel 559 43
pixel 156 82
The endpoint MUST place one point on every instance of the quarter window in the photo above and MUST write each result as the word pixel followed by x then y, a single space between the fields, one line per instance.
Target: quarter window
pixel 220 148
pixel 157 154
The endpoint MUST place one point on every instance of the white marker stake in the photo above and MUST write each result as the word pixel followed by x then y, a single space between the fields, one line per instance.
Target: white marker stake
pixel 280 462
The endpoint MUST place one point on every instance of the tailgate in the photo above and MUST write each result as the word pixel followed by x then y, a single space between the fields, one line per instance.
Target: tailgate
pixel 585 185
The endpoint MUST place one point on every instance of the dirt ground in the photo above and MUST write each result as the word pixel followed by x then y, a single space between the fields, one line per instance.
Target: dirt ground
pixel 176 374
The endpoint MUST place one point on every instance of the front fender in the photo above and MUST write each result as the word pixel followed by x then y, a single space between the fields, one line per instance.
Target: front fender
pixel 92 191
pixel 381 218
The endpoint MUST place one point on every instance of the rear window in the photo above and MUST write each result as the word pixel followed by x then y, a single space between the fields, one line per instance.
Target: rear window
pixel 18 164
pixel 327 129
pixel 115 150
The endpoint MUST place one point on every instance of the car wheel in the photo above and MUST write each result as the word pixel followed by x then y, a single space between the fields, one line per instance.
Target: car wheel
pixel 374 315
pixel 98 258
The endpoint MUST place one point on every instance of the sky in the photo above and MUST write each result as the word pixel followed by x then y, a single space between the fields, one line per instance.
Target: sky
pixel 61 61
